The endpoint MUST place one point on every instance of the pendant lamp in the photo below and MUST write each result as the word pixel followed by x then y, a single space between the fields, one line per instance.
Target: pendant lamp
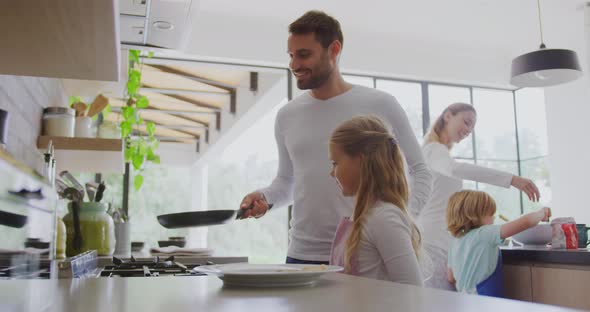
pixel 545 67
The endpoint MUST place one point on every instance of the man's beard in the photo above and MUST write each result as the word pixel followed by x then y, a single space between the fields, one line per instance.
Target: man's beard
pixel 322 71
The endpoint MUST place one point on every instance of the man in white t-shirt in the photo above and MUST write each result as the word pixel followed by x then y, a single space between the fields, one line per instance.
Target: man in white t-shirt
pixel 302 130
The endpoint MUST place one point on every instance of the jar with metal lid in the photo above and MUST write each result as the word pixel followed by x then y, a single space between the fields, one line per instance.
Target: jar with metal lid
pixel 58 121
pixel 97 229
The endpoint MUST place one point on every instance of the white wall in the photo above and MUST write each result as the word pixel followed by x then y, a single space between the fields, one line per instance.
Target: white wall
pixel 568 108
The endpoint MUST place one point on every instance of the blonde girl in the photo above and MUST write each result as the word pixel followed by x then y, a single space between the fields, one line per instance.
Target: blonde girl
pixel 379 240
pixel 474 260
pixel 454 125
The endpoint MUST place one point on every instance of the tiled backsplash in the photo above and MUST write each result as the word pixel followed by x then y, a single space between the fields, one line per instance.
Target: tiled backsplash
pixel 24 98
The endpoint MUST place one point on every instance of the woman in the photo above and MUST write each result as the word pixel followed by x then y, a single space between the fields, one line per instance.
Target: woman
pixel 454 124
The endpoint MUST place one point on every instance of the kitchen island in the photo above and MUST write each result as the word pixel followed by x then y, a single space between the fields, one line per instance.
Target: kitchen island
pixel 545 275
pixel 334 292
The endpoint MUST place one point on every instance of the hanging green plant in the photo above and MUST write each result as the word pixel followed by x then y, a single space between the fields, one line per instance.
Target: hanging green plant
pixel 139 148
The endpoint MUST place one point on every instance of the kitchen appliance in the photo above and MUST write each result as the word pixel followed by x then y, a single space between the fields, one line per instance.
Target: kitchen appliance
pixel 3 128
pixel 201 218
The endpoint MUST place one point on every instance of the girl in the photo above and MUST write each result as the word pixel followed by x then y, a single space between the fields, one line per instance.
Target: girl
pixel 475 261
pixel 454 124
pixel 380 240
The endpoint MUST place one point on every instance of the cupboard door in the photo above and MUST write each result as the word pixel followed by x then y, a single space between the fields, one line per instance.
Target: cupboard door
pixel 518 282
pixel 563 287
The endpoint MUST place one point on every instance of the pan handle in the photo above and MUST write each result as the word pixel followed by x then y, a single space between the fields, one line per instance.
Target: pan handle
pixel 241 212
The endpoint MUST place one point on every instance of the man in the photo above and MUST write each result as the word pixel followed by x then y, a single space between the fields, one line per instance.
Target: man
pixel 302 130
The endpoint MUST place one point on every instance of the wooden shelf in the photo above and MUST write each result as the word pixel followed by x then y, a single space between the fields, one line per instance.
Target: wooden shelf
pixel 85 154
pixel 84 144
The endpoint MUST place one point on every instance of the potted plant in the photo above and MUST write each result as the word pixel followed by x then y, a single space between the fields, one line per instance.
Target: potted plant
pixel 140 147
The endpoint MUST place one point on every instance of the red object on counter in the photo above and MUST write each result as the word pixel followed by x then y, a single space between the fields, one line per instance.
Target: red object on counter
pixel 571 235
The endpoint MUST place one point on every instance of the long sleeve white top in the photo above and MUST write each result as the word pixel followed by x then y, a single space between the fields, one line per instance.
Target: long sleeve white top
pixel 302 130
pixel 448 176
pixel 385 251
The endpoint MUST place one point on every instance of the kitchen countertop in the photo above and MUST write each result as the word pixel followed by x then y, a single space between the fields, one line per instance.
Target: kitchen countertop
pixel 544 254
pixel 334 292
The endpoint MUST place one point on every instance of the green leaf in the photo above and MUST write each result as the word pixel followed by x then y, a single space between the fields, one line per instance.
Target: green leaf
pixel 129 114
pixel 128 154
pixel 150 54
pixel 126 129
pixel 142 148
pixel 134 55
pixel 138 181
pixel 137 161
pixel 106 111
pixel 151 128
pixel 154 158
pixel 142 102
pixel 74 99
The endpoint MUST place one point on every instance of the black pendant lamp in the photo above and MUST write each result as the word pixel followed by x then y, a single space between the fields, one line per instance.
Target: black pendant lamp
pixel 545 67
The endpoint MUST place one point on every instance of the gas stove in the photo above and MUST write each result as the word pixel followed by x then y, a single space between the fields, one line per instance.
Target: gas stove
pixel 152 267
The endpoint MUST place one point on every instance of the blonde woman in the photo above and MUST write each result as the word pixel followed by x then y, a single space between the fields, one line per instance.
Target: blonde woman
pixel 380 240
pixel 454 124
pixel 475 264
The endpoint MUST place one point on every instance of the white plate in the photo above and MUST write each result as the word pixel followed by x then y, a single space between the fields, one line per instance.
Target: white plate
pixel 267 275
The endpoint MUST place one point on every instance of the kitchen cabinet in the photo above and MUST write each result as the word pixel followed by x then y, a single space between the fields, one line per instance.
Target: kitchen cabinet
pixel 60 38
pixel 518 282
pixel 564 286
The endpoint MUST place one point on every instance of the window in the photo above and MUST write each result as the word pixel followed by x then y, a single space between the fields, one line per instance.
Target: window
pixel 532 138
pixel 409 96
pixel 359 80
pixel 241 170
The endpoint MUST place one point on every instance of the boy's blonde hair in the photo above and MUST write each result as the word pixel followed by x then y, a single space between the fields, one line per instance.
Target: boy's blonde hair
pixel 382 173
pixel 467 209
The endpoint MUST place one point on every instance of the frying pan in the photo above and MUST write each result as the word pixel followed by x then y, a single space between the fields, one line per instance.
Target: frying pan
pixel 201 218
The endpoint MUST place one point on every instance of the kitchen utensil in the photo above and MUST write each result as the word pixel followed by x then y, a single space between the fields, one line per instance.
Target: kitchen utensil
pixel 80 109
pixel 166 243
pixel 99 192
pixel 75 196
pixel 539 234
pixel 73 182
pixel 200 218
pixel 99 103
pixel 3 127
pixel 503 218
pixel 91 189
pixel 83 127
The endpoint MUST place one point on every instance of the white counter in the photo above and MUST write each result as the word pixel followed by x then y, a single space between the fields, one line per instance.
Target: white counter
pixel 335 292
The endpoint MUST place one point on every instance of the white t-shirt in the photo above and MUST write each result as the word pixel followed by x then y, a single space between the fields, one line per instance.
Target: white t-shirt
pixel 302 130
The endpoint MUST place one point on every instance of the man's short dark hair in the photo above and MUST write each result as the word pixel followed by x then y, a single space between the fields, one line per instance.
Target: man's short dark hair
pixel 325 27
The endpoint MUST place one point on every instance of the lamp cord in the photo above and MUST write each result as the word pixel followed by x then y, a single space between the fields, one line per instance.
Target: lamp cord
pixel 540 24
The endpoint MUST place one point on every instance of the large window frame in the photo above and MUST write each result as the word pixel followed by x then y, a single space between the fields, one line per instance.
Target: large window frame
pixel 426 122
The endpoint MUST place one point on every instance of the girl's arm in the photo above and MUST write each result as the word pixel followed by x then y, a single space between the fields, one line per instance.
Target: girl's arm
pixel 527 221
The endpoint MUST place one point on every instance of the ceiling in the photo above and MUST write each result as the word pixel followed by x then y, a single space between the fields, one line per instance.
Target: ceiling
pixel 398 36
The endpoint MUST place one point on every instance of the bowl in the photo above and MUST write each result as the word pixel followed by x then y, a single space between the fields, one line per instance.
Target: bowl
pixel 137 246
pixel 538 235
pixel 166 243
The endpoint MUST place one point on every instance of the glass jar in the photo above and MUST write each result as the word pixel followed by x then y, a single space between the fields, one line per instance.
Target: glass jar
pixel 109 130
pixel 96 227
pixel 58 121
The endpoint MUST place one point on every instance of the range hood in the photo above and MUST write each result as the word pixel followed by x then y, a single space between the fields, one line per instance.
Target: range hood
pixel 156 23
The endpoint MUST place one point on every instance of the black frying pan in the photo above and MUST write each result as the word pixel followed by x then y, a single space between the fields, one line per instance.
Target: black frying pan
pixel 201 218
